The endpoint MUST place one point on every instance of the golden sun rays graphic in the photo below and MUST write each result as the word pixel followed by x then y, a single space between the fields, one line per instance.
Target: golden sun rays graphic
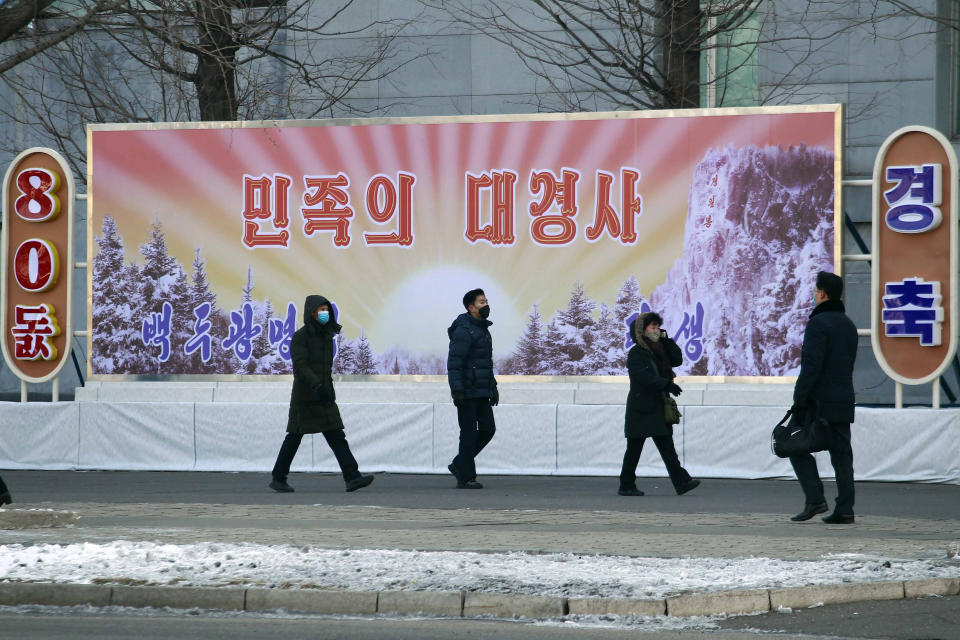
pixel 191 183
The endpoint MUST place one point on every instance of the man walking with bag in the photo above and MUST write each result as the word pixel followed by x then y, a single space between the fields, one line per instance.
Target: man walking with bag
pixel 825 384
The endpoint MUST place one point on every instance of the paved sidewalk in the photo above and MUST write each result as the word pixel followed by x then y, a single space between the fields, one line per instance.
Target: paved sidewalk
pixel 722 519
pixel 724 535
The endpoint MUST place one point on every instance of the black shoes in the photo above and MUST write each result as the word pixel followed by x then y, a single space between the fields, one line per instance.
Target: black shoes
pixel 690 486
pixel 809 510
pixel 633 491
pixel 469 484
pixel 359 483
pixel 281 486
pixel 5 498
pixel 838 518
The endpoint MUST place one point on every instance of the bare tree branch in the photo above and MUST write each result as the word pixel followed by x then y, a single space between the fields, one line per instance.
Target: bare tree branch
pixel 183 60
pixel 17 15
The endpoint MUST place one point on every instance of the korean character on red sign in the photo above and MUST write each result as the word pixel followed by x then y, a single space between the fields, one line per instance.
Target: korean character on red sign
pixel 562 193
pixel 383 195
pixel 334 211
pixel 912 308
pixel 605 216
pixel 264 199
pixel 915 201
pixel 501 185
pixel 33 331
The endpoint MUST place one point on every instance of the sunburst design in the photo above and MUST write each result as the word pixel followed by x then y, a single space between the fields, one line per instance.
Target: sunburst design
pixel 191 181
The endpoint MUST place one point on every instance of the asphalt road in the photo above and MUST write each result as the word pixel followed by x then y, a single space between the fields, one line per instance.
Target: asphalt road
pixel 922 619
pixel 776 497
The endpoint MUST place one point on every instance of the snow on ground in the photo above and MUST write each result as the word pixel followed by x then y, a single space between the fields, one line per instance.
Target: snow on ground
pixel 566 574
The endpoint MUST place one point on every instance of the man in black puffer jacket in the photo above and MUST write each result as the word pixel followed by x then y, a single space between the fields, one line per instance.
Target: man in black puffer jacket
pixel 825 384
pixel 472 385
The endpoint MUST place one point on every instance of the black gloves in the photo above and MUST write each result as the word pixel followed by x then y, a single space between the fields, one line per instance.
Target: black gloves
pixel 320 393
pixel 458 397
pixel 495 398
pixel 673 389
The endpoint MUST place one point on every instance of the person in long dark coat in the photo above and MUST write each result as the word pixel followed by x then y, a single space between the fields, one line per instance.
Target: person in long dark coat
pixel 472 385
pixel 825 385
pixel 650 363
pixel 313 406
pixel 5 497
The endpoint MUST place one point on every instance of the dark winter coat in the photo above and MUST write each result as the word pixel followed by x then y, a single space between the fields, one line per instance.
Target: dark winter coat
pixel 470 358
pixel 826 363
pixel 311 350
pixel 644 415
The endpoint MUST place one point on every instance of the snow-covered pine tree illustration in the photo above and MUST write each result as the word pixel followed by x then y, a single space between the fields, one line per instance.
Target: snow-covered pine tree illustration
pixel 115 300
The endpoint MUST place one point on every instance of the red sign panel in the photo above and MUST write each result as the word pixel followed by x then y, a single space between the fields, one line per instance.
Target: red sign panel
pixel 37 270
pixel 914 272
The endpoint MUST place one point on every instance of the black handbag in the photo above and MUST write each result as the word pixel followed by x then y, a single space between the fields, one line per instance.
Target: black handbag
pixel 800 432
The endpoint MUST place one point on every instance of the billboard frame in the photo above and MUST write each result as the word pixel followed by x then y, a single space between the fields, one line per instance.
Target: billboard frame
pixel 836 108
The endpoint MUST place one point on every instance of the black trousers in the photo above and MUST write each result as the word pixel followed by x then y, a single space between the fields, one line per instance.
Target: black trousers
pixel 628 473
pixel 338 443
pixel 841 457
pixel 477 427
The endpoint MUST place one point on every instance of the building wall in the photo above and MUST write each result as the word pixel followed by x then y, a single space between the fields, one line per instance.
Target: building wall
pixel 888 75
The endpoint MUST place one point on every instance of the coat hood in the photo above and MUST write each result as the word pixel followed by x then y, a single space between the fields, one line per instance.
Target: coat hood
pixel 310 306
pixel 636 328
pixel 465 319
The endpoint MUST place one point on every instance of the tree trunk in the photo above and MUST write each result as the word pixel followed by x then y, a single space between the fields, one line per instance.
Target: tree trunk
pixel 216 62
pixel 678 29
pixel 17 14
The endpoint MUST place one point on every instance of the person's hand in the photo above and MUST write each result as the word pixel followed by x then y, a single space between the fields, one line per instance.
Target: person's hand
pixel 673 389
pixel 458 397
pixel 663 333
pixel 495 398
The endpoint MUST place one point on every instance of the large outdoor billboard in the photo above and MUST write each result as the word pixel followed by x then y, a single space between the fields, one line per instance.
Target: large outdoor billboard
pixel 205 238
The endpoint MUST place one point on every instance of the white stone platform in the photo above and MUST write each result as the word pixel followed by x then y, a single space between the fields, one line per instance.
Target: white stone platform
pixel 434 392
pixel 560 428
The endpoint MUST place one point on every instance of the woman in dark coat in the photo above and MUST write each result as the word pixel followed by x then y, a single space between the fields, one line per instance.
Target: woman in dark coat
pixel 650 364
pixel 313 406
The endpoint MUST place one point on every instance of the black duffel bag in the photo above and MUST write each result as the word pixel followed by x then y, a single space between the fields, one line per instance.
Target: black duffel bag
pixel 800 431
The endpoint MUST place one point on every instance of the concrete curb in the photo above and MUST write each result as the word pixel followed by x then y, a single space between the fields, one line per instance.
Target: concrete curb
pixel 464 604
pixel 37 519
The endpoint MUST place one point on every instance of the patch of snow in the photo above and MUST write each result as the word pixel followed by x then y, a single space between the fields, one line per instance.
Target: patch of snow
pixel 567 574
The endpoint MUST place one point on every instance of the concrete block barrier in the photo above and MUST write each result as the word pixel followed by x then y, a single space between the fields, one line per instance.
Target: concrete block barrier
pixel 801 597
pixel 312 601
pixel 932 587
pixel 730 602
pixel 506 605
pixel 179 597
pixel 436 603
pixel 37 519
pixel 616 606
pixel 58 595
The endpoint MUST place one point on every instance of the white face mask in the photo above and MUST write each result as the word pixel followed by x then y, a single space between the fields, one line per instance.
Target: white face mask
pixel 652 335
